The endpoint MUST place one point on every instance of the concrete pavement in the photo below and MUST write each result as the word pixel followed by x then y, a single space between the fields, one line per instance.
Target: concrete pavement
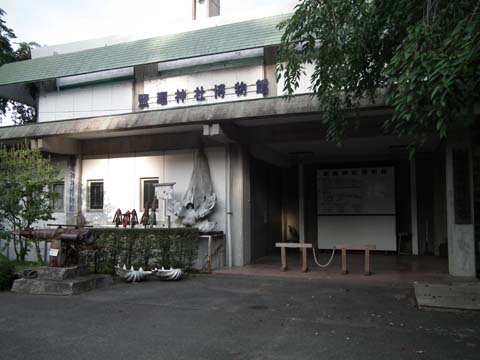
pixel 234 317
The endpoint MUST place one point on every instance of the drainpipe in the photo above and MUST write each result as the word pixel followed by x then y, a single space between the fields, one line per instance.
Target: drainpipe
pixel 301 203
pixel 228 215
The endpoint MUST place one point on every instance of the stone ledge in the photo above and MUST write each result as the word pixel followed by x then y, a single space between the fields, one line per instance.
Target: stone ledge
pixel 60 273
pixel 463 296
pixel 61 287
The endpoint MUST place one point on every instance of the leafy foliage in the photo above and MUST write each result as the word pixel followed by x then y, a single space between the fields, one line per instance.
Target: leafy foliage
pixel 6 273
pixel 21 114
pixel 25 179
pixel 424 56
pixel 148 248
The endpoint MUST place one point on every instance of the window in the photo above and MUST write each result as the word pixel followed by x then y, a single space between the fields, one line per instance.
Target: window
pixel 58 200
pixel 147 191
pixel 95 196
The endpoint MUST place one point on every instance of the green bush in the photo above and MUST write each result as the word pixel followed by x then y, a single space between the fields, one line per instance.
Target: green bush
pixel 141 247
pixel 7 269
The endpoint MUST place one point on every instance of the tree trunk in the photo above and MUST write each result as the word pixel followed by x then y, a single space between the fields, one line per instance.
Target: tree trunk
pixel 17 251
pixel 23 249
pixel 39 252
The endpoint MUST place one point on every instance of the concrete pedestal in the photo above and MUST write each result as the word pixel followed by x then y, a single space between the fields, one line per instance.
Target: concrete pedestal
pixel 465 296
pixel 61 281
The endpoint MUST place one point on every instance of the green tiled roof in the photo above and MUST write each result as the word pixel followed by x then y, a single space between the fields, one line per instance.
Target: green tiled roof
pixel 214 40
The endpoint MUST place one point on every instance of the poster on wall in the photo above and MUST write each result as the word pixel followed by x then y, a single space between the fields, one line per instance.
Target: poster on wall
pixel 356 206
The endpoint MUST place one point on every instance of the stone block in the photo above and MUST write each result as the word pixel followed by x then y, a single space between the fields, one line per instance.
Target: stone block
pixel 464 296
pixel 64 287
pixel 60 273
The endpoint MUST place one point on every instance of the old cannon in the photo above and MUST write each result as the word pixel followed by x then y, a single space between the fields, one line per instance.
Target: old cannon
pixel 65 243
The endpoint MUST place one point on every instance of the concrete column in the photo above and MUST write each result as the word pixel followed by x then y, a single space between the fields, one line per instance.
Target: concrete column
pixel 269 69
pixel 460 227
pixel 74 189
pixel 413 206
pixel 301 203
pixel 240 205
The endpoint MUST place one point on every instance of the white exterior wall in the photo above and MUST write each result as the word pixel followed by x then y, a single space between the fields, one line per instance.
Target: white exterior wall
pixel 98 100
pixel 303 84
pixel 122 174
pixel 189 82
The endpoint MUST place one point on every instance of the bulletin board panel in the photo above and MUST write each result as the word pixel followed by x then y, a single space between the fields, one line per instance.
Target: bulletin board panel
pixel 356 206
pixel 357 230
pixel 360 191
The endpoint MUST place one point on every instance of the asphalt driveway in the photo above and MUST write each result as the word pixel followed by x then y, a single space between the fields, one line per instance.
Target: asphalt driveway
pixel 230 317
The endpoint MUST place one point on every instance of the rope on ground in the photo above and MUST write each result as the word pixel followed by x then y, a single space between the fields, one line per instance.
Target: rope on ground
pixel 328 262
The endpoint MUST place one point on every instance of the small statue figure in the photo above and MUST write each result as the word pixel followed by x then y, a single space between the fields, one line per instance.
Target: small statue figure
pixel 126 219
pixel 145 217
pixel 117 218
pixel 134 220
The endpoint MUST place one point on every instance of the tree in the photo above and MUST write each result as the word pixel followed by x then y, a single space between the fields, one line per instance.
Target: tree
pixel 21 114
pixel 26 178
pixel 424 56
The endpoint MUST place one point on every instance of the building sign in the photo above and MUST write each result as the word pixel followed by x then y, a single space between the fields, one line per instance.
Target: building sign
pixel 200 94
pixel 356 191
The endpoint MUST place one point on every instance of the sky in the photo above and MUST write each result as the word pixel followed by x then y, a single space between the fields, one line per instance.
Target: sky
pixel 50 22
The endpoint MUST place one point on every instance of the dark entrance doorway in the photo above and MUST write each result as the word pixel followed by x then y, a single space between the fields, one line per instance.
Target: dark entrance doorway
pixel 266 207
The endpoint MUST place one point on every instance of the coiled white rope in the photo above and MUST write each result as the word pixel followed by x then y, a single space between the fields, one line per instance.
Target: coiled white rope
pixel 328 262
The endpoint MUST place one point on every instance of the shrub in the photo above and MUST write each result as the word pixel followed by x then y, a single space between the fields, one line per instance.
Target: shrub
pixel 141 247
pixel 6 273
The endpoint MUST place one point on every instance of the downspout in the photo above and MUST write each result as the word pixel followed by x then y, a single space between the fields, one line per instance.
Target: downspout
pixel 228 215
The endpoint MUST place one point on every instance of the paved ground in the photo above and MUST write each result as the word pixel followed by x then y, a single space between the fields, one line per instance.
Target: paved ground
pixel 230 317
pixel 387 269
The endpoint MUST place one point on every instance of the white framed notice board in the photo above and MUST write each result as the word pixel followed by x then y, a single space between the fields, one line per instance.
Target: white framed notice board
pixel 356 206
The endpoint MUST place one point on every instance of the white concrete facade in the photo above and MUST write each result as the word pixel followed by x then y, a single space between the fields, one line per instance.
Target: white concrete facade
pixel 122 175
pixel 107 99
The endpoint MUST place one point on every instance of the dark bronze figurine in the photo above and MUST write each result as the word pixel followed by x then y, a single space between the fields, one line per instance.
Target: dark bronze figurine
pixel 117 218
pixel 126 219
pixel 145 217
pixel 134 220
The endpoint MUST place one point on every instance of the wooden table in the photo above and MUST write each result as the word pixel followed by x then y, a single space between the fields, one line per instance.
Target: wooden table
pixel 366 248
pixel 211 236
pixel 302 246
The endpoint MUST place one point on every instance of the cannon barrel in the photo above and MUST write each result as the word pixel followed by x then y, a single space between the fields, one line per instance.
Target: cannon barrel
pixel 67 235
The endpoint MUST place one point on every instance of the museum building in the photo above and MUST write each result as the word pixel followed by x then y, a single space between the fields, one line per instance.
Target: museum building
pixel 120 118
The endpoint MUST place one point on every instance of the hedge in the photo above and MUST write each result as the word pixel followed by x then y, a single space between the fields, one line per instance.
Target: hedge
pixel 147 248
pixel 7 269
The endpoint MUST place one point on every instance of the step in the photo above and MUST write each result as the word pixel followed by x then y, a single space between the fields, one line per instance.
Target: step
pixel 464 296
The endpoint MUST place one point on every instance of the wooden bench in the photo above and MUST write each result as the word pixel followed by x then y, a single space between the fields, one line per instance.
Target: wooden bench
pixel 366 248
pixel 302 246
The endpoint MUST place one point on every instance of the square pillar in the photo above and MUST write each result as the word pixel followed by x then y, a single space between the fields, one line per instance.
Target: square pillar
pixel 239 242
pixel 460 227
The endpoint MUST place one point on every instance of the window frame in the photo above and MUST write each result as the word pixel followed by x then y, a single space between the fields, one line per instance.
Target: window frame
pixel 89 195
pixel 52 201
pixel 142 189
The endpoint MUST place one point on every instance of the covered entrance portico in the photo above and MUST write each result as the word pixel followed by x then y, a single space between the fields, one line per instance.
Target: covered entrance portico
pixel 403 206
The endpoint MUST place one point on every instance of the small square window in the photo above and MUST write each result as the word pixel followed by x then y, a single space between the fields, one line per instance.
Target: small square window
pixel 58 199
pixel 147 191
pixel 95 194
